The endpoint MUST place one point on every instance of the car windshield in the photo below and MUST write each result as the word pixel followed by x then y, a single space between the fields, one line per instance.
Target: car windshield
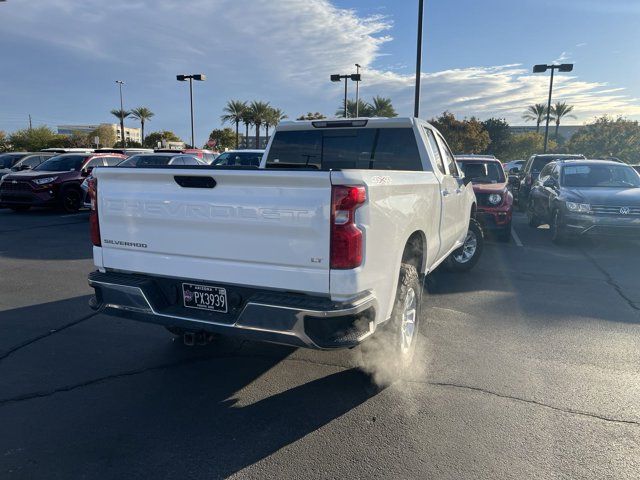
pixel 238 159
pixel 62 163
pixel 146 161
pixel 619 176
pixel 495 173
pixel 8 160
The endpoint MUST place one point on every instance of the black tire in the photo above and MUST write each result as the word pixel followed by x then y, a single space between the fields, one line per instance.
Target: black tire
pixel 71 199
pixel 559 234
pixel 388 354
pixel 504 235
pixel 522 203
pixel 532 219
pixel 19 208
pixel 460 260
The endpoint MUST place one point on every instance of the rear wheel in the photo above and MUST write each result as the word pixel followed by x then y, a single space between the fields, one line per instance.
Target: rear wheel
pixel 20 208
pixel 465 257
pixel 71 200
pixel 389 352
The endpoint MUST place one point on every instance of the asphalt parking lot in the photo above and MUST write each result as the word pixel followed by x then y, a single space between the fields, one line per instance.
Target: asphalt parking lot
pixel 529 367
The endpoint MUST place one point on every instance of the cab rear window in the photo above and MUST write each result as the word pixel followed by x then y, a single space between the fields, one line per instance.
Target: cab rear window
pixel 346 148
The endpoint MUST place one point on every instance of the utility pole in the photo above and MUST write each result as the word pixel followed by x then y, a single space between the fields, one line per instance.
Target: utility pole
pixel 355 77
pixel 120 84
pixel 416 106
pixel 30 125
pixel 357 92
pixel 201 78
pixel 565 67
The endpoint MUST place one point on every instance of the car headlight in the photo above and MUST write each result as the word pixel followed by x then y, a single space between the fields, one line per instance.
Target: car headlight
pixel 495 198
pixel 578 207
pixel 44 181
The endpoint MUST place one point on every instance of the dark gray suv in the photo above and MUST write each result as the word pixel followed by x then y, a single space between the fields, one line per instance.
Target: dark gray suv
pixel 589 197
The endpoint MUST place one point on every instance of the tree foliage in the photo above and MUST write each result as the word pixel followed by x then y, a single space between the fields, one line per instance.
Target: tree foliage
pixel 143 115
pixel 311 116
pixel 536 113
pixel 4 142
pixel 151 141
pixel 224 138
pixel 463 136
pixel 106 135
pixel 379 107
pixel 500 136
pixel 608 137
pixel 523 145
pixel 36 139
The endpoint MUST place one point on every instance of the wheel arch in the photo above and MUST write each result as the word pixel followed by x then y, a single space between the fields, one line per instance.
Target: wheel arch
pixel 415 251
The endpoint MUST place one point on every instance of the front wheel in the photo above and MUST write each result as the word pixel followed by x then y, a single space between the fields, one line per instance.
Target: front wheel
pixel 71 200
pixel 388 354
pixel 532 219
pixel 559 234
pixel 465 257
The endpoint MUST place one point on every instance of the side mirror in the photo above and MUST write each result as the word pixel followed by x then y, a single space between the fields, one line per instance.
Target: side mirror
pixel 549 183
pixel 87 171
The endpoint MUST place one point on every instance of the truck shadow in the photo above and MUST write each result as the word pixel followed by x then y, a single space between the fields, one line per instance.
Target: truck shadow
pixel 125 409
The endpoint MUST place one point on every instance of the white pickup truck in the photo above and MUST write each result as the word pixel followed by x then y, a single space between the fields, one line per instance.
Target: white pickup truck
pixel 321 246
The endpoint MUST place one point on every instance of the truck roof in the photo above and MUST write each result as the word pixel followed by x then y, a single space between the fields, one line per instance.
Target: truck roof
pixel 361 122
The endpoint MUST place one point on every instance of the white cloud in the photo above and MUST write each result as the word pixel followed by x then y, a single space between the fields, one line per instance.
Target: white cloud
pixel 282 51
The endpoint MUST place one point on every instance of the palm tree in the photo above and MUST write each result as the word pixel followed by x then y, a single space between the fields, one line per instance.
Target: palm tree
pixel 233 113
pixel 247 119
pixel 382 107
pixel 536 113
pixel 559 111
pixel 364 109
pixel 121 115
pixel 274 116
pixel 143 114
pixel 259 111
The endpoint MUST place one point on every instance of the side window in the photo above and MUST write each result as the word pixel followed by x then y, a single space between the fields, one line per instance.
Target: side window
pixel 544 174
pixel 96 162
pixel 177 161
pixel 436 150
pixel 32 161
pixel 448 156
pixel 112 161
pixel 395 149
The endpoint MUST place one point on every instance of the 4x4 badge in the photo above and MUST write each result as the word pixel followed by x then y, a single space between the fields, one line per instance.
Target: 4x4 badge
pixel 624 210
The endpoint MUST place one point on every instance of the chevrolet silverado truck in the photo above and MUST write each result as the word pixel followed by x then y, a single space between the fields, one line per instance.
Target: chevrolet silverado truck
pixel 322 246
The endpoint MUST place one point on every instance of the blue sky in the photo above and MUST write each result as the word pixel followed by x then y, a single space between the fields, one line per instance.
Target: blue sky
pixel 60 57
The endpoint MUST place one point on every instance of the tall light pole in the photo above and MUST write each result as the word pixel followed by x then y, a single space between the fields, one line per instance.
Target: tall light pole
pixel 416 105
pixel 564 67
pixel 358 91
pixel 183 78
pixel 355 77
pixel 120 84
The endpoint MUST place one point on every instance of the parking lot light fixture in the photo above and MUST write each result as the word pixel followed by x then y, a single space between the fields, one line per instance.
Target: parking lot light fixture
pixel 199 77
pixel 120 84
pixel 563 67
pixel 355 77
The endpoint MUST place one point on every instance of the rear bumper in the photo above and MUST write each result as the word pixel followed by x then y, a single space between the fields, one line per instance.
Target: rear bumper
pixel 594 225
pixel 284 318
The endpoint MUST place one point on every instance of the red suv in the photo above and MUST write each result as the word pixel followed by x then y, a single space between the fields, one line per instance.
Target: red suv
pixel 495 202
pixel 54 183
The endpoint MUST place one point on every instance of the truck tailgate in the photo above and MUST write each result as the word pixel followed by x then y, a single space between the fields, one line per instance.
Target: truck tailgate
pixel 260 228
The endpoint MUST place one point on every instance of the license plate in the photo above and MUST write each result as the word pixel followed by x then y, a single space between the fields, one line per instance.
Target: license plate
pixel 204 297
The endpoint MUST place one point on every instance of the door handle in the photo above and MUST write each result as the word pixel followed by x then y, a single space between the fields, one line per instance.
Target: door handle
pixel 445 193
pixel 458 190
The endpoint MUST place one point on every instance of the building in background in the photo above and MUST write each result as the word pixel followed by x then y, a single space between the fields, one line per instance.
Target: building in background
pixel 130 134
pixel 565 131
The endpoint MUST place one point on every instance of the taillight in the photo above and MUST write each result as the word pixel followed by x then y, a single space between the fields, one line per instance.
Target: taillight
pixel 94 222
pixel 346 238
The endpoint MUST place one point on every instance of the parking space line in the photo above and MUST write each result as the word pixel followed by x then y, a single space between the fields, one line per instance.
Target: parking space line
pixel 516 238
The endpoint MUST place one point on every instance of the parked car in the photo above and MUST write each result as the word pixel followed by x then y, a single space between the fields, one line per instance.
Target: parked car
pixel 528 175
pixel 238 158
pixel 324 244
pixel 15 161
pixel 161 160
pixel 594 197
pixel 53 183
pixel 124 151
pixel 207 156
pixel 513 167
pixel 495 202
